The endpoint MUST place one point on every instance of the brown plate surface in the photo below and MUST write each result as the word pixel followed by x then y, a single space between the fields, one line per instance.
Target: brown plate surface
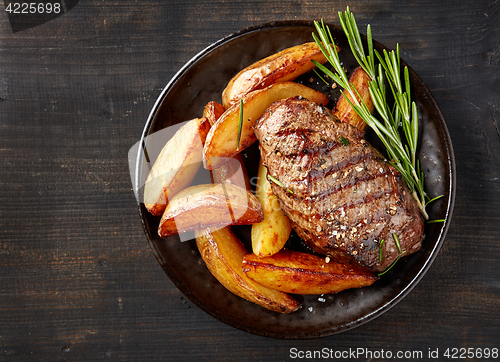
pixel 201 80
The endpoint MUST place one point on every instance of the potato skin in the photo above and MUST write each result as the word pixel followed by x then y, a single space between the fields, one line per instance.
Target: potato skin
pixel 302 273
pixel 270 235
pixel 223 254
pixel 202 206
pixel 233 171
pixel 213 111
pixel 285 65
pixel 344 111
pixel 176 165
pixel 222 139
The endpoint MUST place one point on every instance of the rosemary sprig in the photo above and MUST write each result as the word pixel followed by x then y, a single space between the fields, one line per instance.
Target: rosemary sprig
pixel 404 112
pixel 240 125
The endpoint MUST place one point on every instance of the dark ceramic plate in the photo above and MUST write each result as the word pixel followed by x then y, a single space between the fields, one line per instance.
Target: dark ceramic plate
pixel 201 80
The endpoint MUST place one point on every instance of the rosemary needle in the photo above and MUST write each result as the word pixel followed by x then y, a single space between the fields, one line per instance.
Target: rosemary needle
pixel 390 266
pixel 279 183
pixel 436 221
pixel 320 77
pixel 240 125
pixel 344 141
pixel 396 240
pixel 380 250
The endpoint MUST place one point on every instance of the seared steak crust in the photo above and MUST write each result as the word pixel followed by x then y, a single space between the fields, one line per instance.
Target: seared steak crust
pixel 342 198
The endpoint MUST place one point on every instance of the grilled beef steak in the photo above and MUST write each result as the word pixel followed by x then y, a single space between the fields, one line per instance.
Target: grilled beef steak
pixel 342 198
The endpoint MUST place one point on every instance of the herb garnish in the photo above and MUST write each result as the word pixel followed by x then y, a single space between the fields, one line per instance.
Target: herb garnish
pixel 398 245
pixel 320 77
pixel 240 124
pixel 402 114
pixel 279 183
pixel 380 250
pixel 344 141
pixel 436 221
pixel 390 266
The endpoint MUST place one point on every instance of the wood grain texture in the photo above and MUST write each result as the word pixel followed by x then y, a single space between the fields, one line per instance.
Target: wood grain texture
pixel 77 278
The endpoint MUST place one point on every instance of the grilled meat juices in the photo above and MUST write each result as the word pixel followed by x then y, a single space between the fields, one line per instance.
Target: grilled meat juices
pixel 342 198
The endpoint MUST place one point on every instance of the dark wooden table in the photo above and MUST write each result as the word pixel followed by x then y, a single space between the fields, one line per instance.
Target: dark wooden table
pixel 78 280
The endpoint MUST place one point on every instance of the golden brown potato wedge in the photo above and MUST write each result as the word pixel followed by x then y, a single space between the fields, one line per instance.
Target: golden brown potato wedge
pixel 344 111
pixel 301 273
pixel 222 139
pixel 213 111
pixel 223 254
pixel 270 235
pixel 285 65
pixel 202 206
pixel 234 170
pixel 176 165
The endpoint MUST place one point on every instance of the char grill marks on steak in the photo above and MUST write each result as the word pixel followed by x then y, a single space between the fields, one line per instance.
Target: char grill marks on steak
pixel 340 195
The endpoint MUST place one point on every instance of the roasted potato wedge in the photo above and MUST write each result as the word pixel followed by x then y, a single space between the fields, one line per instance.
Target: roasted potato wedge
pixel 223 254
pixel 213 111
pixel 285 65
pixel 301 273
pixel 344 111
pixel 202 206
pixel 270 235
pixel 234 170
pixel 176 165
pixel 222 139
